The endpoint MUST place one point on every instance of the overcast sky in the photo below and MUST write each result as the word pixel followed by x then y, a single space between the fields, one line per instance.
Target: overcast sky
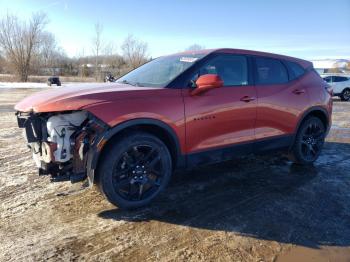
pixel 308 29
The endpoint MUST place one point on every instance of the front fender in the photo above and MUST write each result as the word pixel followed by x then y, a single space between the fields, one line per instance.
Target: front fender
pixel 100 142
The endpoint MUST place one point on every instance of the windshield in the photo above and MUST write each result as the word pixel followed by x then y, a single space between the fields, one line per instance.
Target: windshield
pixel 161 71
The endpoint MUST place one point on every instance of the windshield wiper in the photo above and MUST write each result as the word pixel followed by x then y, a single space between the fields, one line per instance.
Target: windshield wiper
pixel 132 84
pixel 127 82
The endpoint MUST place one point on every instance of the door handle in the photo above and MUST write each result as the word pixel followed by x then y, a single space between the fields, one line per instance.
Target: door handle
pixel 298 91
pixel 247 99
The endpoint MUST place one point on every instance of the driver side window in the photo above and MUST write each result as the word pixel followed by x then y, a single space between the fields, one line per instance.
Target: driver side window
pixel 232 69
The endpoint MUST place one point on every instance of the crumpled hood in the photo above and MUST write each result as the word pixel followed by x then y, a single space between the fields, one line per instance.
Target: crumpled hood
pixel 78 96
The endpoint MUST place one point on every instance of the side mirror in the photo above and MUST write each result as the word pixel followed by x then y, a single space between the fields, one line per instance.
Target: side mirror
pixel 207 82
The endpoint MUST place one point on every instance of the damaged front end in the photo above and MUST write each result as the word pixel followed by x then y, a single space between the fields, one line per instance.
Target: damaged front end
pixel 63 144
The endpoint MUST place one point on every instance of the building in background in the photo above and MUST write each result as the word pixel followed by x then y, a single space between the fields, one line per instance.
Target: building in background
pixel 324 66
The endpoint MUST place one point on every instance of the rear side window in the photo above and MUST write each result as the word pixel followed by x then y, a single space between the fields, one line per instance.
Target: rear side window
pixel 295 70
pixel 339 79
pixel 270 71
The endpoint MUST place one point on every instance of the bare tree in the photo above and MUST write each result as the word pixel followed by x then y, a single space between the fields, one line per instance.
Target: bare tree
pixel 195 47
pixel 48 54
pixel 2 63
pixel 134 51
pixel 19 40
pixel 97 47
pixel 80 63
pixel 48 49
pixel 109 49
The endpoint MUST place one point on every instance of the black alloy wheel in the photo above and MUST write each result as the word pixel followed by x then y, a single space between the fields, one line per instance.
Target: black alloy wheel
pixel 312 140
pixel 134 170
pixel 345 96
pixel 138 173
pixel 309 141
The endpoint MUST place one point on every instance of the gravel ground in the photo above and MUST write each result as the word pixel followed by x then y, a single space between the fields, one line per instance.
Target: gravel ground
pixel 252 209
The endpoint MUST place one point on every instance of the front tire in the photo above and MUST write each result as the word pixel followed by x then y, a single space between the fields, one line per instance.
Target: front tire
pixel 134 170
pixel 308 141
pixel 345 95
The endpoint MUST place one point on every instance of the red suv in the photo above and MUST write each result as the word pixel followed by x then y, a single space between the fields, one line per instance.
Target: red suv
pixel 177 111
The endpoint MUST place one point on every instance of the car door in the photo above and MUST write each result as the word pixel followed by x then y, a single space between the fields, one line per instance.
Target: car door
pixel 281 100
pixel 334 83
pixel 224 116
pixel 339 84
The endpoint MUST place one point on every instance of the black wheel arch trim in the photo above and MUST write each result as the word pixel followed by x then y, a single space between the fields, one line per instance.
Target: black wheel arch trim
pixel 94 154
pixel 306 113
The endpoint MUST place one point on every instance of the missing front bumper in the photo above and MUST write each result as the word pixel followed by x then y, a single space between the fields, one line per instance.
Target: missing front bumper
pixel 82 144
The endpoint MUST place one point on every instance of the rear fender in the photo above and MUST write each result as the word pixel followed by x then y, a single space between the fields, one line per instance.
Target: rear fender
pixel 309 112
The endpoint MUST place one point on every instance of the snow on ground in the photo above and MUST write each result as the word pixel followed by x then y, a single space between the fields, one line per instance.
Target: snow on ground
pixel 22 85
pixel 34 85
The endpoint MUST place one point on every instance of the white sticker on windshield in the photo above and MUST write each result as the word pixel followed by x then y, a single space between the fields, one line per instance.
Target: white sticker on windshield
pixel 188 59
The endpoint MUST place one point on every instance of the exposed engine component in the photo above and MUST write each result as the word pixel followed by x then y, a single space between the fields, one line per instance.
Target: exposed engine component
pixel 61 143
pixel 43 152
pixel 59 130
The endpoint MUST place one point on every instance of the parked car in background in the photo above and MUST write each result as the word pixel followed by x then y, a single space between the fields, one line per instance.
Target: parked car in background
pixel 177 111
pixel 340 85
pixel 109 78
pixel 54 80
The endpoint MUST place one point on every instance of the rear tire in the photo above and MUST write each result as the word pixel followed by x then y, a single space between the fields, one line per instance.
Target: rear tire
pixel 308 141
pixel 345 95
pixel 134 170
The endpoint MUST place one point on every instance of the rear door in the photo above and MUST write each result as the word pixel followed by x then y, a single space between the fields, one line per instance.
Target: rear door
pixel 332 82
pixel 225 116
pixel 281 99
pixel 339 84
